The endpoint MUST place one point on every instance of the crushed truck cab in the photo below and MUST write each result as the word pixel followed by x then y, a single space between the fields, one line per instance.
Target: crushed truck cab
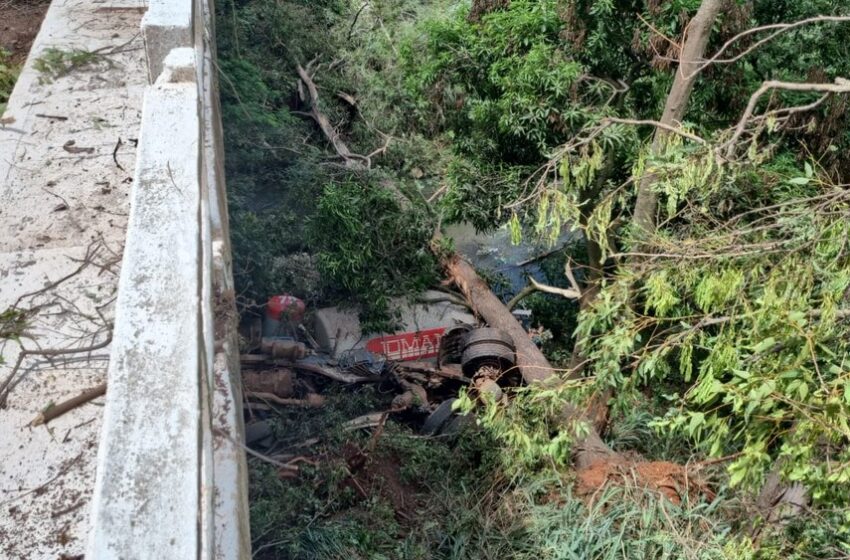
pixel 338 331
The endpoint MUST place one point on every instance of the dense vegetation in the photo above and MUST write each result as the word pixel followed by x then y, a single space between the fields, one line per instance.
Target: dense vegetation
pixel 719 332
pixel 8 75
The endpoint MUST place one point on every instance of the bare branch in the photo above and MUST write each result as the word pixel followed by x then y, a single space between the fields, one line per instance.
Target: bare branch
pixel 570 294
pixel 657 124
pixel 777 28
pixel 352 160
pixel 5 386
pixel 841 85
pixel 57 410
pixel 568 270
pixel 328 130
pixel 535 286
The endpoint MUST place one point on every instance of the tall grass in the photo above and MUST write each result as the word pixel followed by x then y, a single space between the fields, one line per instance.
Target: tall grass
pixel 8 76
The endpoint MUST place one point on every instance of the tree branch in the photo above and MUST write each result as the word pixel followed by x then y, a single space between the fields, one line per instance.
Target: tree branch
pixel 352 160
pixel 841 85
pixel 658 124
pixel 777 28
pixel 55 411
pixel 535 286
pixel 695 42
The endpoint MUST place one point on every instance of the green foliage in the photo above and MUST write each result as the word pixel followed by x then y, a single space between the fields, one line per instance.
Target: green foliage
pixel 8 76
pixel 13 323
pixel 54 63
pixel 740 317
pixel 277 165
pixel 460 505
pixel 505 92
pixel 753 333
pixel 321 515
pixel 372 243
pixel 732 315
pixel 824 534
pixel 625 525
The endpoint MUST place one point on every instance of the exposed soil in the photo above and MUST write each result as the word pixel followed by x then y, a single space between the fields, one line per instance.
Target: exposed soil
pixel 669 479
pixel 20 21
pixel 378 474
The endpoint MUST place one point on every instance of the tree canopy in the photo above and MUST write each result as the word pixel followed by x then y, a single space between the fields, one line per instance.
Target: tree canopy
pixel 714 235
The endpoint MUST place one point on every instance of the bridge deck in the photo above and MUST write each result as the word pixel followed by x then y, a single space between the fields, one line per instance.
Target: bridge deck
pixel 67 157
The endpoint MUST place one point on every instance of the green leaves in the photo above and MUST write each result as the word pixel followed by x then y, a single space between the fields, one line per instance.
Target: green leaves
pixel 8 76
pixel 372 244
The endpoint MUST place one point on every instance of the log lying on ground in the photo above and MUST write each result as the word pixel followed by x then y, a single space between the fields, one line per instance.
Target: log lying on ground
pixel 533 365
pixel 596 464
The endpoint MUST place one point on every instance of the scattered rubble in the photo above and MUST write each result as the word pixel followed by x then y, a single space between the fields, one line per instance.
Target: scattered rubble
pixel 439 350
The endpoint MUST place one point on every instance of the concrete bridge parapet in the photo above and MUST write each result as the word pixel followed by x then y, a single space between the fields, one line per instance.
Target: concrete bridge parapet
pixel 171 476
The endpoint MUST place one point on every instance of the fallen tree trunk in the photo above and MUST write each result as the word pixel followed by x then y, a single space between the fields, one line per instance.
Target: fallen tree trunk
pixel 532 364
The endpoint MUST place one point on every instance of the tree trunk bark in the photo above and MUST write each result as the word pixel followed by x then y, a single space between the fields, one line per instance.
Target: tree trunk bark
pixel 532 364
pixel 777 501
pixel 695 41
pixel 594 259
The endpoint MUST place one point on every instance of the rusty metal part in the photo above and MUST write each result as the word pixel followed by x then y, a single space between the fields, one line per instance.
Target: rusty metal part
pixel 363 363
pixel 487 347
pixel 330 373
pixel 283 349
pixel 452 343
pixel 279 382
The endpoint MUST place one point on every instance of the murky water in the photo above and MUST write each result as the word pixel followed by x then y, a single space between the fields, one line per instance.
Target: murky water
pixel 494 252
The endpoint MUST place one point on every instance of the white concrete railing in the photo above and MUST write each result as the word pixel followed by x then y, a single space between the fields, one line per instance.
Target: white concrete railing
pixel 171 476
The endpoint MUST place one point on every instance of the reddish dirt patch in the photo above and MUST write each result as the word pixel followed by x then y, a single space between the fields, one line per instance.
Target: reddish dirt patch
pixel 669 479
pixel 380 475
pixel 20 21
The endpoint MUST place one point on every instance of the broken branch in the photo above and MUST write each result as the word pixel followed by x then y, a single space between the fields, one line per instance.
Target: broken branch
pixel 841 85
pixel 55 411
pixel 535 286
pixel 352 160
pixel 24 353
pixel 777 28
pixel 312 401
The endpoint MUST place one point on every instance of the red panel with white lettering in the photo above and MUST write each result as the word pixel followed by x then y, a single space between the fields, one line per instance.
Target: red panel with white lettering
pixel 407 346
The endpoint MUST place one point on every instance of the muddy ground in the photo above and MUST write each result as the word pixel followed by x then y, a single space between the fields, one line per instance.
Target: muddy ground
pixel 20 21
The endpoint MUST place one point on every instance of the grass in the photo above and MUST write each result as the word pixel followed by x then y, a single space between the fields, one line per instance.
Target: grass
pixel 418 498
pixel 55 63
pixel 8 75
pixel 13 323
pixel 422 498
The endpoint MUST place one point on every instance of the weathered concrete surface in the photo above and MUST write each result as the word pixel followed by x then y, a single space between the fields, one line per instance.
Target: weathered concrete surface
pixel 166 25
pixel 231 533
pixel 56 204
pixel 147 497
pixel 175 309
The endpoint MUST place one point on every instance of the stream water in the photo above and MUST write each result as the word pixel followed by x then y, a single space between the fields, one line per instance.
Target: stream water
pixel 494 252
